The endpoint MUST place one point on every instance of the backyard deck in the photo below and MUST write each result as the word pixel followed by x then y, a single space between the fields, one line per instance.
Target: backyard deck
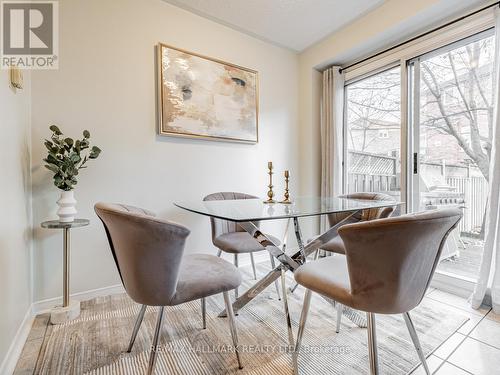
pixel 467 263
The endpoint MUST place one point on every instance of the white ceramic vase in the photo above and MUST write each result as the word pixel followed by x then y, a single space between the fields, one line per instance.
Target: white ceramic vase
pixel 67 207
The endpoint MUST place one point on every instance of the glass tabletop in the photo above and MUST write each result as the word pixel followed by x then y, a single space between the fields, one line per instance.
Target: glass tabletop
pixel 240 210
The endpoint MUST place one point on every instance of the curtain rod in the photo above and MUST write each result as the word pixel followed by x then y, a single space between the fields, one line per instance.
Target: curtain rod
pixel 421 35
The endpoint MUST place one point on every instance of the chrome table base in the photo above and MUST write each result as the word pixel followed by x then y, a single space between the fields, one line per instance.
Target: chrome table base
pixel 289 263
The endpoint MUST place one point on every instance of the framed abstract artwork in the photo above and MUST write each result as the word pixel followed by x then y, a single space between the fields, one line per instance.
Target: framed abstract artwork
pixel 202 97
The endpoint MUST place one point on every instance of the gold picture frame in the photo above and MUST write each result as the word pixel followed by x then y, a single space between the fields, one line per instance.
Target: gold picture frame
pixel 206 98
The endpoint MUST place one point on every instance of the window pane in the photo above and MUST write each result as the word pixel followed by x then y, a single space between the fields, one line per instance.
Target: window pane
pixel 456 116
pixel 373 134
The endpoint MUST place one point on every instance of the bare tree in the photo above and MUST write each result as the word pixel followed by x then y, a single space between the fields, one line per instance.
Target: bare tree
pixel 468 115
pixel 464 76
pixel 373 105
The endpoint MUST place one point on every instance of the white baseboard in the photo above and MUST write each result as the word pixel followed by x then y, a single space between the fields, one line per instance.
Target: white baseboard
pixel 10 361
pixel 44 306
pixel 11 358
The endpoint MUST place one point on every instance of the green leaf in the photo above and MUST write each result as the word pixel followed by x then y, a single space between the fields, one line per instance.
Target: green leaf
pixel 86 134
pixel 48 144
pixel 52 168
pixel 53 154
pixel 94 153
pixel 75 158
pixel 69 141
pixel 55 129
pixel 52 159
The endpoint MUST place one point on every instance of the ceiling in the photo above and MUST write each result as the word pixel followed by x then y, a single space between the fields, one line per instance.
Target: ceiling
pixel 294 24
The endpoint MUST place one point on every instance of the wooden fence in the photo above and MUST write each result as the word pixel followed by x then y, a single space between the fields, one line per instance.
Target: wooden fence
pixel 368 176
pixel 371 182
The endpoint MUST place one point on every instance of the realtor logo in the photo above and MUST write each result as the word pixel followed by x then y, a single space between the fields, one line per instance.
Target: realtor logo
pixel 29 34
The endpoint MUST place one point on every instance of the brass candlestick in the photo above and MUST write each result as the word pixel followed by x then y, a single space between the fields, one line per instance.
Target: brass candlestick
pixel 270 193
pixel 287 194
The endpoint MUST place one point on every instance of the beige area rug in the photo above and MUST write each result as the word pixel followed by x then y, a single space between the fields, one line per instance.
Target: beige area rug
pixel 95 343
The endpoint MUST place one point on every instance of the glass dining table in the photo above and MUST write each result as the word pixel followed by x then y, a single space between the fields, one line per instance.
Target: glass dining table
pixel 249 212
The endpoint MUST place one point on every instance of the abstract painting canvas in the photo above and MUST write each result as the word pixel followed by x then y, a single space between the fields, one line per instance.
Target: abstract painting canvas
pixel 206 98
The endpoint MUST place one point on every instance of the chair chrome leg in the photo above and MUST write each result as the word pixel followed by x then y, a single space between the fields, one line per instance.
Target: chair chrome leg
pixel 232 326
pixel 287 310
pixel 236 265
pixel 204 312
pixel 292 289
pixel 276 285
pixel 253 266
pixel 154 345
pixel 340 310
pixel 300 333
pixel 137 325
pixel 219 253
pixel 416 341
pixel 372 343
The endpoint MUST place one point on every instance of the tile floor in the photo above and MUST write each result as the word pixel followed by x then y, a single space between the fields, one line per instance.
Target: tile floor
pixel 473 349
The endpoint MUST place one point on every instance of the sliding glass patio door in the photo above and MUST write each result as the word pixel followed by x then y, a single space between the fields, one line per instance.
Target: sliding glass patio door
pixel 420 130
pixel 451 115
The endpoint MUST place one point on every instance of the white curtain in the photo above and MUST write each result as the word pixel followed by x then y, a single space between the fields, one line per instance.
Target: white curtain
pixel 490 263
pixel 332 113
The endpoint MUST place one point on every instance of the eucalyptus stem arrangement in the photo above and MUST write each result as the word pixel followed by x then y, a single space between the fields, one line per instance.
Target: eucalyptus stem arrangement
pixel 66 157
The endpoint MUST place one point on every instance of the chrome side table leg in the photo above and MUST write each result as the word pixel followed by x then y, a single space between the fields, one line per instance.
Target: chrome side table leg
pixel 69 309
pixel 66 262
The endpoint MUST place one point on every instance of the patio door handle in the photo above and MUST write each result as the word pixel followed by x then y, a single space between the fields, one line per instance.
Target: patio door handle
pixel 415 163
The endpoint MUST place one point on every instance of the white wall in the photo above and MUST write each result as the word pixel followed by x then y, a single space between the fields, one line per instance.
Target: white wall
pixel 15 202
pixel 106 83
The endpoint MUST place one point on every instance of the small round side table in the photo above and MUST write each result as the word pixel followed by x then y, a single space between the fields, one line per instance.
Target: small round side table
pixel 69 309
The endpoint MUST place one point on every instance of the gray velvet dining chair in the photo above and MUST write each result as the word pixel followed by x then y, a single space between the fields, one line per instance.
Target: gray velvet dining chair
pixel 230 238
pixel 387 268
pixel 148 253
pixel 336 245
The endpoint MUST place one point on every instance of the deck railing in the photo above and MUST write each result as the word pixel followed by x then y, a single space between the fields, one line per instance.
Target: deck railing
pixel 475 192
